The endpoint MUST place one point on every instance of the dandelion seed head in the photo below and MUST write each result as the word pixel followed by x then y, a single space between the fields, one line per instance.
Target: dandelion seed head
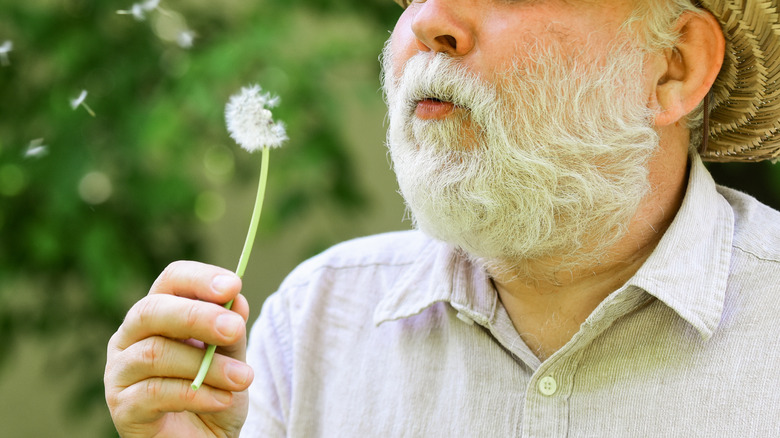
pixel 74 103
pixel 250 122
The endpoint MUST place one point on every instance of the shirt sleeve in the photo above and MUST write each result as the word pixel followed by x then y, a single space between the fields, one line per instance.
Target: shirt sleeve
pixel 269 353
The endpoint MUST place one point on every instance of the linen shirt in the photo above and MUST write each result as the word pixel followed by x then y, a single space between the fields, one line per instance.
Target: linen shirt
pixel 399 335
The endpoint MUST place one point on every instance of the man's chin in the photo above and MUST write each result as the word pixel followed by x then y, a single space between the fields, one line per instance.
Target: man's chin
pixel 535 264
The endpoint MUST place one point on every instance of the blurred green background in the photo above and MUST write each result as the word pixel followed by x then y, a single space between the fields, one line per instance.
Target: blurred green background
pixel 93 208
pixel 89 220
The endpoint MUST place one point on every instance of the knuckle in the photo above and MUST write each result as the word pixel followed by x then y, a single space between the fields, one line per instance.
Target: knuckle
pixel 192 317
pixel 113 344
pixel 186 392
pixel 153 388
pixel 169 272
pixel 153 352
pixel 110 393
pixel 175 267
pixel 114 400
pixel 109 377
pixel 145 310
pixel 169 276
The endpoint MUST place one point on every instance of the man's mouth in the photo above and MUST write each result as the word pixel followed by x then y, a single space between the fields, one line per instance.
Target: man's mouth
pixel 431 108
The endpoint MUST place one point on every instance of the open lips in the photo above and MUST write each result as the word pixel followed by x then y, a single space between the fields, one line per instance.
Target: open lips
pixel 432 108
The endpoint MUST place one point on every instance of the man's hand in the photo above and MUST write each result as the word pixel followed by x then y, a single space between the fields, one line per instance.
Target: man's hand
pixel 157 350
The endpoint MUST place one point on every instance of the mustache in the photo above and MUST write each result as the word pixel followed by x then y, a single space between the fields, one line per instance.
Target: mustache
pixel 432 76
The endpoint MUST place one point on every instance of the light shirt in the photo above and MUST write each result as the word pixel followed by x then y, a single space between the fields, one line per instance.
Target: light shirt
pixel 398 335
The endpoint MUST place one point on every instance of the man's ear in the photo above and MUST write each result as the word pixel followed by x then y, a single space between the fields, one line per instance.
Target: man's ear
pixel 691 67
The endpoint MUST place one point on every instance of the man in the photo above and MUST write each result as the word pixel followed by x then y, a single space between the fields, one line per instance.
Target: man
pixel 577 272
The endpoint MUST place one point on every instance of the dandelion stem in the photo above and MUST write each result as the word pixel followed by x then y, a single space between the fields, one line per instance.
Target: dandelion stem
pixel 250 236
pixel 242 261
pixel 89 110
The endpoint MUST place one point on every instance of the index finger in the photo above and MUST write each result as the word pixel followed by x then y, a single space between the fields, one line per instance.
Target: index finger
pixel 197 280
pixel 179 318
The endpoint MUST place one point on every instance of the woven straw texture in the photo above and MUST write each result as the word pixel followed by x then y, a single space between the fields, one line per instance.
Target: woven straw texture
pixel 745 99
pixel 745 115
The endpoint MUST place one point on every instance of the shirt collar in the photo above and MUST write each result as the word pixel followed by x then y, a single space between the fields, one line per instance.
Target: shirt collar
pixel 440 273
pixel 687 271
pixel 689 268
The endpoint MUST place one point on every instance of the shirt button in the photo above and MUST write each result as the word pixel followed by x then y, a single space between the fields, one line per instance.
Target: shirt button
pixel 548 385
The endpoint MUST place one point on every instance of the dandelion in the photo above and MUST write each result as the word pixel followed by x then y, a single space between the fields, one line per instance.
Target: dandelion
pixel 185 38
pixel 250 123
pixel 36 149
pixel 4 50
pixel 79 101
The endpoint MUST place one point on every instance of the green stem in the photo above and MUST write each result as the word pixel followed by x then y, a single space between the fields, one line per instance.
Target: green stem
pixel 89 110
pixel 242 261
pixel 250 236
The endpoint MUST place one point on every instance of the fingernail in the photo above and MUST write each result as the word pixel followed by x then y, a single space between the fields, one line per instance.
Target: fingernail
pixel 238 373
pixel 228 324
pixel 222 283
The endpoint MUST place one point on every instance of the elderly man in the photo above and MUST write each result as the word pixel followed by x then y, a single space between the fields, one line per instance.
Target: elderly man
pixel 576 271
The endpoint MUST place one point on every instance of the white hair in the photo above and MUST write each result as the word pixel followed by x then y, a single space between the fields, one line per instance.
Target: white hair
pixel 547 164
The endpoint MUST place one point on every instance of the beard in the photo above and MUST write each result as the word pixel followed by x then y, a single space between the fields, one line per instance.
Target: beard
pixel 545 164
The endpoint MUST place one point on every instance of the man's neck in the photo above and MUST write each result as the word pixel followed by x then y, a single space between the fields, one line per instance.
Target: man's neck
pixel 547 313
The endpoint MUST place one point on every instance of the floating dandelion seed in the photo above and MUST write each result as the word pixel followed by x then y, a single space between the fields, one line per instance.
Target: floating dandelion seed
pixel 79 101
pixel 4 50
pixel 251 125
pixel 36 149
pixel 137 11
pixel 185 38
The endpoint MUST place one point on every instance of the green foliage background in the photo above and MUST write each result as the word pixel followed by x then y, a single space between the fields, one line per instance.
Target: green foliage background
pixel 71 266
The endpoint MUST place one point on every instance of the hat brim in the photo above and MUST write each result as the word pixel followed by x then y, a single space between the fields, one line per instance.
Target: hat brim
pixel 745 115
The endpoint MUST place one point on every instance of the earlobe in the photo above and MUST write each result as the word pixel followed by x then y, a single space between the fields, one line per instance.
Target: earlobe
pixel 691 67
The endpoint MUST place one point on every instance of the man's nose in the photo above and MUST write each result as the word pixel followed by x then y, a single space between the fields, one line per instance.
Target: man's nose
pixel 444 26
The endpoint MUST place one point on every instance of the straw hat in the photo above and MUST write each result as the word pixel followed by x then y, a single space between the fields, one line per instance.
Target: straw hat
pixel 744 122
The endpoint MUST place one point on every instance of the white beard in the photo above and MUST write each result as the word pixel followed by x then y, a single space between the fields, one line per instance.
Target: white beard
pixel 548 163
